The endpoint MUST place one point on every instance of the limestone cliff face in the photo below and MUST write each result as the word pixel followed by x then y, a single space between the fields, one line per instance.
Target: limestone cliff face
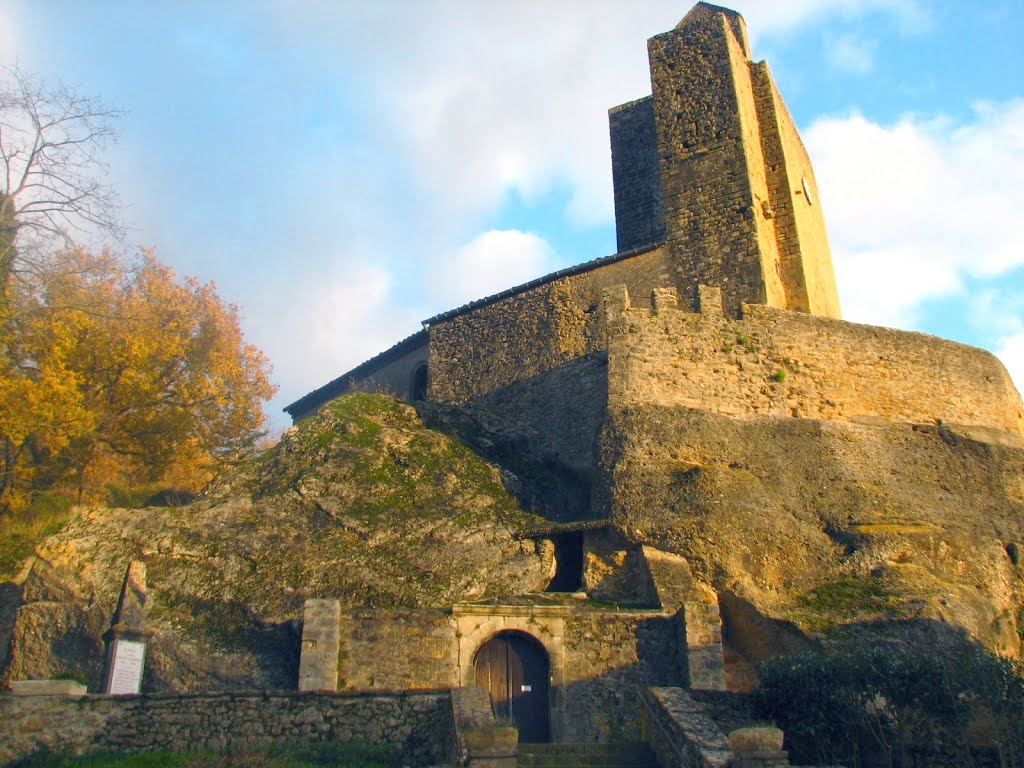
pixel 360 503
pixel 836 526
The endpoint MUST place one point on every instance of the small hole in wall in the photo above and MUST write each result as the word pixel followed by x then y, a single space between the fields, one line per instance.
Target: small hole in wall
pixel 568 563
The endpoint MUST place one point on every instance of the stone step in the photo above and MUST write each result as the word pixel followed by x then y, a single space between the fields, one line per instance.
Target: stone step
pixel 618 755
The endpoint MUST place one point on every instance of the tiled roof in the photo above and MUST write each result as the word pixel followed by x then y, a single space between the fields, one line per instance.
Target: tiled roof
pixel 584 267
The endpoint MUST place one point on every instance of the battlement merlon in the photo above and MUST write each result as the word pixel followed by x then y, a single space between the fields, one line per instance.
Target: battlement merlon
pixel 712 161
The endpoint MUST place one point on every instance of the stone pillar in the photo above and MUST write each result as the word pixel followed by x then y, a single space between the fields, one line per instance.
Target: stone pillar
pixel 128 637
pixel 704 655
pixel 321 642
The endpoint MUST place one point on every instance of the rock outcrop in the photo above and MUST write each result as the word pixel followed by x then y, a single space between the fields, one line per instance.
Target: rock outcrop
pixel 361 503
pixel 805 531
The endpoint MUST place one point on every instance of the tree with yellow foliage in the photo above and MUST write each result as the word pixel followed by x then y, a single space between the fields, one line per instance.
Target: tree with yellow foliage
pixel 110 371
pixel 122 373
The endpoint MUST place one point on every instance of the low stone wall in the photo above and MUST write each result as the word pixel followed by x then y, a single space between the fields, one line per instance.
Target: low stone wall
pixel 680 732
pixel 418 726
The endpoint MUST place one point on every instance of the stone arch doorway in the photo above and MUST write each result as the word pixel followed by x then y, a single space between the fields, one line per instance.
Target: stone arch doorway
pixel 513 668
pixel 419 384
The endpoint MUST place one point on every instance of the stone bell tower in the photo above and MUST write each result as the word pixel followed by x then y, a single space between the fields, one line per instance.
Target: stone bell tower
pixel 712 163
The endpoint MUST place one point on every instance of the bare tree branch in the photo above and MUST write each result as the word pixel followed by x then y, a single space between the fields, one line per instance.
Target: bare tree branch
pixel 53 190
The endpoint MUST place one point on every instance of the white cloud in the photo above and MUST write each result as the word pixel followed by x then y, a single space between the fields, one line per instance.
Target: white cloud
pixel 849 54
pixel 914 207
pixel 491 262
pixel 1010 350
pixel 9 30
pixel 318 325
pixel 771 17
pixel 485 99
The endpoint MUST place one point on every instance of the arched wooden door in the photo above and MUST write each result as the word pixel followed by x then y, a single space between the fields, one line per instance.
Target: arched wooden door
pixel 513 669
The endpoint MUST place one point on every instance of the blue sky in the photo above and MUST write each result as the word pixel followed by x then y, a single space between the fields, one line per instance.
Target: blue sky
pixel 343 170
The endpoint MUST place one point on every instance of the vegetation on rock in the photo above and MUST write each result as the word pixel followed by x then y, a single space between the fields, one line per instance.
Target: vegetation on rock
pixel 361 503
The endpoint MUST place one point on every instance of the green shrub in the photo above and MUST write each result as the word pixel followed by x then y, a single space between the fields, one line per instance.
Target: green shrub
pixel 902 709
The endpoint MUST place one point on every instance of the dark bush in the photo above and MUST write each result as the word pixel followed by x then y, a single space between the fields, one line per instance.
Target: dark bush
pixel 888 708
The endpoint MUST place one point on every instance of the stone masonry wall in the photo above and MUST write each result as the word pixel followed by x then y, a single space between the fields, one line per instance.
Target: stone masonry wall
pixel 780 363
pixel 599 660
pixel 418 726
pixel 716 227
pixel 636 175
pixel 804 254
pixel 531 332
pixel 397 650
pixel 395 377
pixel 556 420
pixel 610 659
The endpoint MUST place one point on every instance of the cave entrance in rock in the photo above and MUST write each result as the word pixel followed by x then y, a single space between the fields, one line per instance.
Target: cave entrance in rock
pixel 513 668
pixel 568 563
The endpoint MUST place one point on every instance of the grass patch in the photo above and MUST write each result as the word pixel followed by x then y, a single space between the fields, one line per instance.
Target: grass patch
pixel 19 534
pixel 842 602
pixel 283 755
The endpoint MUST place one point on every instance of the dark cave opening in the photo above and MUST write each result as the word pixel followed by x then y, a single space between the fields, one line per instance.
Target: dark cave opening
pixel 568 563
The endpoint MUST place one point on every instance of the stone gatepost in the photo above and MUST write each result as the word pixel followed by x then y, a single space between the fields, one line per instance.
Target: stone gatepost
pixel 704 654
pixel 128 637
pixel 321 642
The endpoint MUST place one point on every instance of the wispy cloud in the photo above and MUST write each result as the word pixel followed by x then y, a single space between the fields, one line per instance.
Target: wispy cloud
pixel 916 206
pixel 850 54
pixel 488 264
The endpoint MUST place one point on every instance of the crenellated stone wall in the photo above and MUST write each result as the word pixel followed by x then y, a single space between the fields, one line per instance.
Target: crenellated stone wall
pixel 788 364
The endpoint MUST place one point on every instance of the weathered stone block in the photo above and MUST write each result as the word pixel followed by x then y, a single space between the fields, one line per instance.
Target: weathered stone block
pixel 47 688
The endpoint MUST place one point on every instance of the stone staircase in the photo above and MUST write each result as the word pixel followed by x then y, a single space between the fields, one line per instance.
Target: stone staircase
pixel 627 755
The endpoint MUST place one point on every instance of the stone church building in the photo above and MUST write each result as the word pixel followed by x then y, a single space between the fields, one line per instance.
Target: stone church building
pixel 720 303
